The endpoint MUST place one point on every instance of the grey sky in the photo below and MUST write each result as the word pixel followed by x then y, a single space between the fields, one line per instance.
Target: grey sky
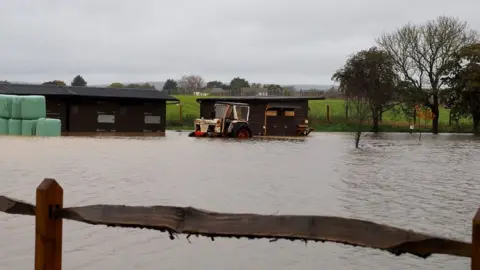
pixel 267 41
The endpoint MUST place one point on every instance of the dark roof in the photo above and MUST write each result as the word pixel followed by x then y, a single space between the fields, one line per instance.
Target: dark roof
pixel 255 98
pixel 79 91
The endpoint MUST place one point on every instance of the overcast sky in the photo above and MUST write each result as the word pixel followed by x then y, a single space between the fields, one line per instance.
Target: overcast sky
pixel 267 41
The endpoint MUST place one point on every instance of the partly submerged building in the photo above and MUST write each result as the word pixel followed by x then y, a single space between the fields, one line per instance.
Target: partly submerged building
pixel 92 110
pixel 269 115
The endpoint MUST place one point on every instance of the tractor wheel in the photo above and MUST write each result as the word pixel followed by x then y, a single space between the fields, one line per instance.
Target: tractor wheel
pixel 243 133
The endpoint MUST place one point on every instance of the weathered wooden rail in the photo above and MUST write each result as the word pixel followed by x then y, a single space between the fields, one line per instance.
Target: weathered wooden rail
pixel 49 213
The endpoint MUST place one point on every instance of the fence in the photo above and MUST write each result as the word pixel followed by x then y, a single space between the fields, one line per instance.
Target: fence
pixel 335 111
pixel 49 213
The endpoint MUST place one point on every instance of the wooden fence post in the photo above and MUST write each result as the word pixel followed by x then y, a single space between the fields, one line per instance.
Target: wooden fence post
pixel 48 228
pixel 414 116
pixel 328 113
pixel 180 113
pixel 476 242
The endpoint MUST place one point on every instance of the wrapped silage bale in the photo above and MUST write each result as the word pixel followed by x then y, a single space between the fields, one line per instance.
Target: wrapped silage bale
pixel 29 127
pixel 3 126
pixel 16 107
pixel 33 107
pixel 6 106
pixel 14 127
pixel 48 127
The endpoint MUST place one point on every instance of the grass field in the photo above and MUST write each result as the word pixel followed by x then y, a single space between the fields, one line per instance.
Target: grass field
pixel 391 122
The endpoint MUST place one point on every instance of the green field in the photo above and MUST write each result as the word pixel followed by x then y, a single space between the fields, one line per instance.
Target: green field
pixel 391 122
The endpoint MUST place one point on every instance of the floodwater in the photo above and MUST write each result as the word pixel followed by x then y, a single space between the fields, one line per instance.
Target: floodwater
pixel 430 185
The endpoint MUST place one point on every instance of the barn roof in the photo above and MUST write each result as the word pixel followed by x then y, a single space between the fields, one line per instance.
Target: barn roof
pixel 79 91
pixel 263 98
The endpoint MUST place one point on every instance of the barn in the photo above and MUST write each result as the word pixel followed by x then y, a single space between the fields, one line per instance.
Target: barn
pixel 269 115
pixel 95 110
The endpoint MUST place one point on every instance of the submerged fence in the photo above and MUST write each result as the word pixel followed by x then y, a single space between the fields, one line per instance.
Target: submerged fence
pixel 49 213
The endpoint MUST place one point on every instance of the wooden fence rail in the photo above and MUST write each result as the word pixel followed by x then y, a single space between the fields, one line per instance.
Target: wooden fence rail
pixel 49 213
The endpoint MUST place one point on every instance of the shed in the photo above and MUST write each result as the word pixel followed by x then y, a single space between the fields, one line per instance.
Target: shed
pixel 269 115
pixel 95 110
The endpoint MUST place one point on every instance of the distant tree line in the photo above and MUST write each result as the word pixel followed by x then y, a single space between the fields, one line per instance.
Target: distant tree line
pixel 188 85
pixel 77 81
pixel 132 85
pixel 195 83
pixel 80 81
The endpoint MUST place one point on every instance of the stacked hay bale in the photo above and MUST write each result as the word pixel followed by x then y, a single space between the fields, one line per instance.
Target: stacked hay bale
pixel 27 116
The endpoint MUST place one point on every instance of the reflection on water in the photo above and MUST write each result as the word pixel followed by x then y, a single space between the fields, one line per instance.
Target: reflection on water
pixel 428 185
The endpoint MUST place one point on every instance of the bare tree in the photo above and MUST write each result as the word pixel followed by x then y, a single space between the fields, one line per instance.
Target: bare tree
pixel 360 112
pixel 421 54
pixel 191 83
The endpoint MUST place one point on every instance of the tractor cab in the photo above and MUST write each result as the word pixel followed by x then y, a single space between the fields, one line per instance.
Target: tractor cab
pixel 227 119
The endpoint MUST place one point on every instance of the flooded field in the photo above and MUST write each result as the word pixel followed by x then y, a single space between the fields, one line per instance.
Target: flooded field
pixel 432 185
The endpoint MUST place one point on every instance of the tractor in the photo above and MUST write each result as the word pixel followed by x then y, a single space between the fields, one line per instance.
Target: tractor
pixel 228 119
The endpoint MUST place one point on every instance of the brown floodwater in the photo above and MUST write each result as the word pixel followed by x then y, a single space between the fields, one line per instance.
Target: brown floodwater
pixel 430 185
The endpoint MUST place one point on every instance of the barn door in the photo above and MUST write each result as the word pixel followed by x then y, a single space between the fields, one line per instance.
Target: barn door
pixel 280 122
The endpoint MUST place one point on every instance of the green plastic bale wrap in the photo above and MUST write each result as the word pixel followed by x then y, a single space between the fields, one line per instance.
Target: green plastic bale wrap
pixel 29 127
pixel 16 107
pixel 49 127
pixel 33 107
pixel 14 126
pixel 6 106
pixel 3 126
